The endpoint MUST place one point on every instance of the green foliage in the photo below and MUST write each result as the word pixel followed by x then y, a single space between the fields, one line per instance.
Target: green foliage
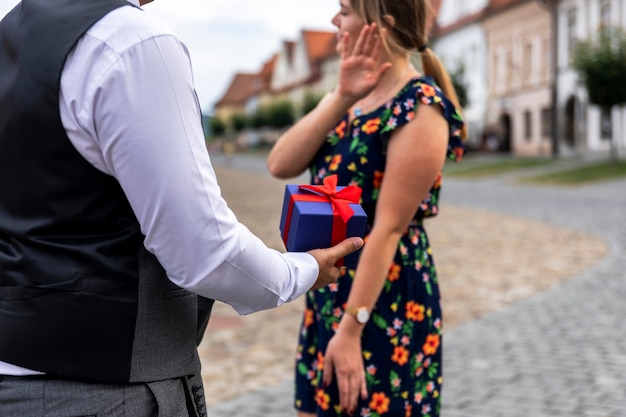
pixel 239 121
pixel 260 118
pixel 497 167
pixel 460 86
pixel 281 113
pixel 597 172
pixel 310 101
pixel 600 62
pixel 217 125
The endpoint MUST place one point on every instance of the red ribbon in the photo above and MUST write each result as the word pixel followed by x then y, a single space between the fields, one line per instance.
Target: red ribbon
pixel 339 201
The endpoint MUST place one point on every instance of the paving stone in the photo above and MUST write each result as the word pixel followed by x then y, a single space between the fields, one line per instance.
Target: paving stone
pixel 552 351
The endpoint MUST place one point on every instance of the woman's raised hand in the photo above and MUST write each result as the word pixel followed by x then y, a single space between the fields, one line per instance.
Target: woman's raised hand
pixel 360 69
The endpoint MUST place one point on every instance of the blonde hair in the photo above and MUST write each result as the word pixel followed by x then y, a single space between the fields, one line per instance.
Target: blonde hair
pixel 409 34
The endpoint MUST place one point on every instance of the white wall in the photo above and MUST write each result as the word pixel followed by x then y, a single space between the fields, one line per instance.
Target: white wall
pixel 452 10
pixel 466 47
pixel 588 126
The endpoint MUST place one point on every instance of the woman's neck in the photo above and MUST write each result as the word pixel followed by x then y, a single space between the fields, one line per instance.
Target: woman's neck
pixel 390 83
pixel 401 66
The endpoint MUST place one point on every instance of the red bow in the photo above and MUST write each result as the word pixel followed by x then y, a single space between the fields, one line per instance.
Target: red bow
pixel 339 200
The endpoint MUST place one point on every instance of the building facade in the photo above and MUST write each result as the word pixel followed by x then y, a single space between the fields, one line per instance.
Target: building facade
pixel 519 75
pixel 582 128
pixel 514 57
pixel 459 40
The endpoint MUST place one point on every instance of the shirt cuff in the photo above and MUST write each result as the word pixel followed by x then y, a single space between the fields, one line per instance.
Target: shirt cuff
pixel 305 270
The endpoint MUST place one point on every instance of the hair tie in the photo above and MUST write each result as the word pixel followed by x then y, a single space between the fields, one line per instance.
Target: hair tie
pixel 422 48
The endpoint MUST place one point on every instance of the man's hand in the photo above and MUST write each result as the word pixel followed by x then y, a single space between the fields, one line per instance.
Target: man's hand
pixel 326 258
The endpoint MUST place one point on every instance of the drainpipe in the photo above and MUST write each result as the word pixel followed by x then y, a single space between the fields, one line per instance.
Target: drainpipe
pixel 553 7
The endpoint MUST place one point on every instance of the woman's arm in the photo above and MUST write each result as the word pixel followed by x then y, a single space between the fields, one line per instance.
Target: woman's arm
pixel 294 150
pixel 415 156
pixel 359 72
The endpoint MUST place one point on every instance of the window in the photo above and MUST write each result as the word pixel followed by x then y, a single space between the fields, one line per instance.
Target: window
pixel 605 12
pixel 546 122
pixel 546 54
pixel 495 80
pixel 510 66
pixel 528 125
pixel 606 124
pixel 571 31
pixel 528 62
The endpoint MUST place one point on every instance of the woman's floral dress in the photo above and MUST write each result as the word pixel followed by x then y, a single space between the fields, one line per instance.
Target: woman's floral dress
pixel 402 341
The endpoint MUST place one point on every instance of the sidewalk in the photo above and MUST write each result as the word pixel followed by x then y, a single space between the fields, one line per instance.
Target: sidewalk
pixel 533 291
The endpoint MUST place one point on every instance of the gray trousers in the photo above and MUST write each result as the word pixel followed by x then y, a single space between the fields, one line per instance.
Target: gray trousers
pixel 50 397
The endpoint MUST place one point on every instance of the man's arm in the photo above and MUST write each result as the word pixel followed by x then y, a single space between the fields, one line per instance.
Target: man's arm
pixel 135 116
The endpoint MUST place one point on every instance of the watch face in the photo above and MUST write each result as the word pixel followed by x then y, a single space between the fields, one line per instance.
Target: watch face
pixel 362 315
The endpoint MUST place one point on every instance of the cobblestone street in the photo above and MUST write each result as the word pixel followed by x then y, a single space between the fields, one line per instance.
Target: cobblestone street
pixel 533 287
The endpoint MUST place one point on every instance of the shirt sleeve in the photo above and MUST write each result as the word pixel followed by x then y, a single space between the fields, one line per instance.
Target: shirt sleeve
pixel 134 114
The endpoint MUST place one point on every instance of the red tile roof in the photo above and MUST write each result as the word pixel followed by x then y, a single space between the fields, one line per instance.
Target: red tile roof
pixel 465 20
pixel 239 90
pixel 319 45
pixel 245 85
pixel 268 69
pixel 431 23
pixel 493 7
pixel 497 5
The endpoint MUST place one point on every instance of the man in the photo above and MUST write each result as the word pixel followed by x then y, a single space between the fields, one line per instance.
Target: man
pixel 113 236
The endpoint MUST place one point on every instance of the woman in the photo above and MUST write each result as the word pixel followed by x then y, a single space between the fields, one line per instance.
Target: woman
pixel 371 344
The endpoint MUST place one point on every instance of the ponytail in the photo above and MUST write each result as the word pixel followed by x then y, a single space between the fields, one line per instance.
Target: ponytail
pixel 431 65
pixel 409 34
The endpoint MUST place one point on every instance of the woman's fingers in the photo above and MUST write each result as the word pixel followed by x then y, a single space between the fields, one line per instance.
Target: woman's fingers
pixel 347 394
pixel 371 43
pixel 377 45
pixel 344 46
pixel 351 386
pixel 358 46
pixel 364 393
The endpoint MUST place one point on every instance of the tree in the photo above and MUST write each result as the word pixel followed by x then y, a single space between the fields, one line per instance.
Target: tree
pixel 460 86
pixel 260 118
pixel 310 101
pixel 239 121
pixel 217 125
pixel 600 62
pixel 281 113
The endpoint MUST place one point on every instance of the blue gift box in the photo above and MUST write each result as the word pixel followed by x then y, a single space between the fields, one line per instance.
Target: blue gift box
pixel 306 225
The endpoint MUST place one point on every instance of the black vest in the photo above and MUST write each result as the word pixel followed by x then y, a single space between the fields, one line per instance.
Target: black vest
pixel 80 297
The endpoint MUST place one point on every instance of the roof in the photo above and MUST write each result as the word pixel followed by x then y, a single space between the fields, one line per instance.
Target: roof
pixel 497 5
pixel 319 45
pixel 239 89
pixel 465 20
pixel 245 85
pixel 431 22
pixel 493 7
pixel 268 69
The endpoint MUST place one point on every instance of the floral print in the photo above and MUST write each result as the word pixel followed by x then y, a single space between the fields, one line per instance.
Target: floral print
pixel 401 343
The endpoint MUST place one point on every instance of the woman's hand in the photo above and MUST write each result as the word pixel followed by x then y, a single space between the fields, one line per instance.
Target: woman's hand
pixel 360 69
pixel 344 359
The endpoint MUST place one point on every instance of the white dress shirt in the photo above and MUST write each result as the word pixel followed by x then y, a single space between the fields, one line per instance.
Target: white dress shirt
pixel 129 107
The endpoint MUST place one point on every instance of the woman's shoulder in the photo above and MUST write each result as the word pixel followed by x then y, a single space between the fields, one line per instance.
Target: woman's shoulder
pixel 421 89
pixel 424 88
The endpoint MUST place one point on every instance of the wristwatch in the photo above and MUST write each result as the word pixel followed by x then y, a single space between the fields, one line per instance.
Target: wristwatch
pixel 361 314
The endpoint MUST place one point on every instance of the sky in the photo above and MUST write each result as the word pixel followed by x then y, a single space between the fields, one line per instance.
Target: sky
pixel 229 36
